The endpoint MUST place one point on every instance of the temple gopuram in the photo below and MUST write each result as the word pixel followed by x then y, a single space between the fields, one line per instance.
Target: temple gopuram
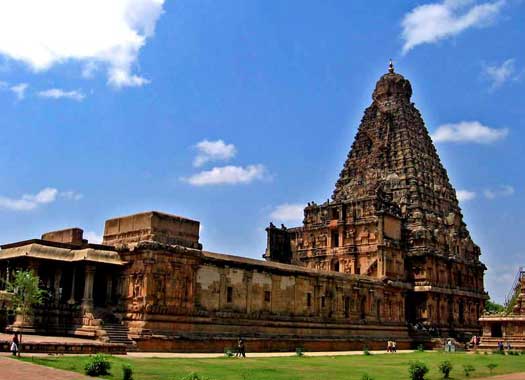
pixel 387 255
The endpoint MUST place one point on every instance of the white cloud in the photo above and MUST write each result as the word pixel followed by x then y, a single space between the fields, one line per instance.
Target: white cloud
pixel 468 131
pixel 97 32
pixel 465 195
pixel 213 151
pixel 89 69
pixel 500 191
pixel 71 195
pixel 228 175
pixel 93 237
pixel 288 213
pixel 44 196
pixel 498 75
pixel 4 65
pixel 430 23
pixel 57 93
pixel 19 90
pixel 501 273
pixel 28 201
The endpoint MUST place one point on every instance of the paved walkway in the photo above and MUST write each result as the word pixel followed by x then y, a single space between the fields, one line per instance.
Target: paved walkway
pixel 11 369
pixel 15 369
pixel 30 338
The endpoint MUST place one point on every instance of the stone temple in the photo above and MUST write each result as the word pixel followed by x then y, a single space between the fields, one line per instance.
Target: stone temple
pixel 387 252
pixel 507 326
pixel 394 216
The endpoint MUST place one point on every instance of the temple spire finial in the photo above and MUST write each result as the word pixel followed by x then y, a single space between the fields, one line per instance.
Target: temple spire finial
pixel 391 66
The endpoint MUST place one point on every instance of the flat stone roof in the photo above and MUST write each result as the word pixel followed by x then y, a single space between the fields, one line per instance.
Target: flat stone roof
pixel 153 212
pixel 293 269
pixel 42 249
pixel 152 225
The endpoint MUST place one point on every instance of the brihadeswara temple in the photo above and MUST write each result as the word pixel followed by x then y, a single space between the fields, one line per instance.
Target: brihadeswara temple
pixel 387 252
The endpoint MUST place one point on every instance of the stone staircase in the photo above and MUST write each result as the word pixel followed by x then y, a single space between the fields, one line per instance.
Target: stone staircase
pixel 490 343
pixel 118 333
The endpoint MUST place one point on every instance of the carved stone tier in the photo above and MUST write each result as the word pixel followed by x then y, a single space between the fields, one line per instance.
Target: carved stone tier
pixel 393 214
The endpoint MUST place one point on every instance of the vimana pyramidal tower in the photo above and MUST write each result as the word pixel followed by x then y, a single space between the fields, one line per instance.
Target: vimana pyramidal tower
pixel 394 215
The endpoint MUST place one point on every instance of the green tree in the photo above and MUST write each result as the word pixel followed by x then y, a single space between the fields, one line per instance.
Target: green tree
pixel 25 296
pixel 493 307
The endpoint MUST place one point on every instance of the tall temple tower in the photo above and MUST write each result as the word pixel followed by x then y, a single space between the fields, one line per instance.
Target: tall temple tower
pixel 394 215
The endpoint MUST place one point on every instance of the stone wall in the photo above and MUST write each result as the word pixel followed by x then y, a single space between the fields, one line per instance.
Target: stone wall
pixel 73 348
pixel 152 226
pixel 175 297
pixel 181 344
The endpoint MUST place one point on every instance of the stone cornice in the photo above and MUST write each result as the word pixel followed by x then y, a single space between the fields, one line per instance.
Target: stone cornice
pixel 52 252
pixel 457 292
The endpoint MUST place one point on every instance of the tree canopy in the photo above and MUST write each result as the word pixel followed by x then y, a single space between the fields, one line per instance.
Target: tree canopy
pixel 25 292
pixel 493 307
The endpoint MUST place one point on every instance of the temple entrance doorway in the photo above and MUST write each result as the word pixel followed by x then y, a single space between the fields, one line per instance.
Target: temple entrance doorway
pixel 99 290
pixel 496 330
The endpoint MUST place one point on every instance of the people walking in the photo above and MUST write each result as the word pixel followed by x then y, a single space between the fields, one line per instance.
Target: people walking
pixel 15 343
pixel 241 349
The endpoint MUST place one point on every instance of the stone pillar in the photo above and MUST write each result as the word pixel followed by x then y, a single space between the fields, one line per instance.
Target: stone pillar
pixel 71 299
pixel 7 273
pixel 56 284
pixel 316 298
pixel 148 284
pixel 438 309
pixel 109 289
pixel 33 266
pixel 87 300
pixel 247 278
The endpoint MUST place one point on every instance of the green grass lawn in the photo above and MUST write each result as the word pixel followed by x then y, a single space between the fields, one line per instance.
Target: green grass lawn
pixel 379 367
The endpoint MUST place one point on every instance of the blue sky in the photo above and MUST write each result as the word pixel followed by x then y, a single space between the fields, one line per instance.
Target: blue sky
pixel 236 113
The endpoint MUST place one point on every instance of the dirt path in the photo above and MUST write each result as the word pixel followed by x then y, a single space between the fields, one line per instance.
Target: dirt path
pixel 15 369
pixel 510 376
